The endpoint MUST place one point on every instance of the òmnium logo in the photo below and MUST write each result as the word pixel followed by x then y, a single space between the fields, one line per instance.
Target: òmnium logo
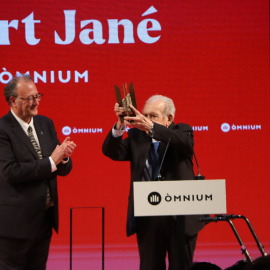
pixel 225 127
pixel 66 130
pixel 154 198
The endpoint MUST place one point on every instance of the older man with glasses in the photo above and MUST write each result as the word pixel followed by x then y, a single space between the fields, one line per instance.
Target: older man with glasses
pixel 144 146
pixel 31 157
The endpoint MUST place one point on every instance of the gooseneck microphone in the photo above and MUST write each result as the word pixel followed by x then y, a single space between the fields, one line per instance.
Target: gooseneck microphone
pixel 199 176
pixel 159 177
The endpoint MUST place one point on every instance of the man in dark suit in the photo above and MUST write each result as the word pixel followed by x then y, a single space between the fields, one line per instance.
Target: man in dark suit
pixel 31 157
pixel 156 235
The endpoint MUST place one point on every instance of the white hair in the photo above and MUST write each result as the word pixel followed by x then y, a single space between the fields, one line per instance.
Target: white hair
pixel 169 105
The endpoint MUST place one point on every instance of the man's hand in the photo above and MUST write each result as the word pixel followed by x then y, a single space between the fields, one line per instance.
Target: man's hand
pixel 139 121
pixel 118 111
pixel 62 151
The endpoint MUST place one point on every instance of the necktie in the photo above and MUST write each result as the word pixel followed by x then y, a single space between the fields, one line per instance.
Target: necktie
pixel 33 141
pixel 49 201
pixel 153 159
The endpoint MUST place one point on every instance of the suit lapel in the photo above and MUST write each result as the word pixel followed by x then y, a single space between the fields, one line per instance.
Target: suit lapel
pixel 19 132
pixel 144 144
pixel 41 133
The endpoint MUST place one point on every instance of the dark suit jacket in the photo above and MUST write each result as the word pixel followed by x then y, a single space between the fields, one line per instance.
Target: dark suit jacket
pixel 177 164
pixel 24 177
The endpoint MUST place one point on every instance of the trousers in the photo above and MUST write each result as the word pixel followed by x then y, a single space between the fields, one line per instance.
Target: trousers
pixel 161 236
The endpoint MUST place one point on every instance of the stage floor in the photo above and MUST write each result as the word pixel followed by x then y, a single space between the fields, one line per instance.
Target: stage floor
pixel 126 256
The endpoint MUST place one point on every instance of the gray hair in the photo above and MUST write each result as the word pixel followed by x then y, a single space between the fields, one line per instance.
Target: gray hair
pixel 169 105
pixel 11 87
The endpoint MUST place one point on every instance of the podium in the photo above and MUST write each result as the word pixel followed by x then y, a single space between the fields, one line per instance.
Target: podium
pixel 180 197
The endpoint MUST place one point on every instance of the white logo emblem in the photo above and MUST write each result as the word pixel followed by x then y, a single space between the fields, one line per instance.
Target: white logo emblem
pixel 66 130
pixel 225 127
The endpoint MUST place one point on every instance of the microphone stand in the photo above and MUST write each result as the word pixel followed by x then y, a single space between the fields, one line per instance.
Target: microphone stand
pixel 199 176
pixel 159 177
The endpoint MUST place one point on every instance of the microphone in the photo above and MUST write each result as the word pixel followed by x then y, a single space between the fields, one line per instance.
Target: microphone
pixel 159 177
pixel 199 176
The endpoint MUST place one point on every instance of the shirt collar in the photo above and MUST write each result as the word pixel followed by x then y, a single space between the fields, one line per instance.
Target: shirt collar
pixel 22 123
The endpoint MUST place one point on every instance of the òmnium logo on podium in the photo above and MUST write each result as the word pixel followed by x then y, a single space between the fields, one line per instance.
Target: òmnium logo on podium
pixel 179 197
pixel 154 198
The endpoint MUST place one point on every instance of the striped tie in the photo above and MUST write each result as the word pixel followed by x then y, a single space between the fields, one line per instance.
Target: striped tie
pixel 49 201
pixel 33 141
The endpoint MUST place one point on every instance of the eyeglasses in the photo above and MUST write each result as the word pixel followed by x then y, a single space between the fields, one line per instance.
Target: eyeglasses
pixel 151 116
pixel 32 98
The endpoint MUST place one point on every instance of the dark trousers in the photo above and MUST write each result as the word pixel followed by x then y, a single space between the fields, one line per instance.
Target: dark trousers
pixel 158 236
pixel 27 254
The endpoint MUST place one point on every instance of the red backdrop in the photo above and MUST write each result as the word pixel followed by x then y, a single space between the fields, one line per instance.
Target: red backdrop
pixel 211 57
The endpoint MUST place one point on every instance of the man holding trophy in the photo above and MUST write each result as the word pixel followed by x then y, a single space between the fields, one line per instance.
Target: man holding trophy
pixel 151 132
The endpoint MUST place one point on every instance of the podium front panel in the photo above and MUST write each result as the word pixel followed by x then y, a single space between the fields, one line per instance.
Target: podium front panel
pixel 181 197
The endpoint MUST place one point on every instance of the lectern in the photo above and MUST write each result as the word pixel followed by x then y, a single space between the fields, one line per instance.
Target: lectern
pixel 183 197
